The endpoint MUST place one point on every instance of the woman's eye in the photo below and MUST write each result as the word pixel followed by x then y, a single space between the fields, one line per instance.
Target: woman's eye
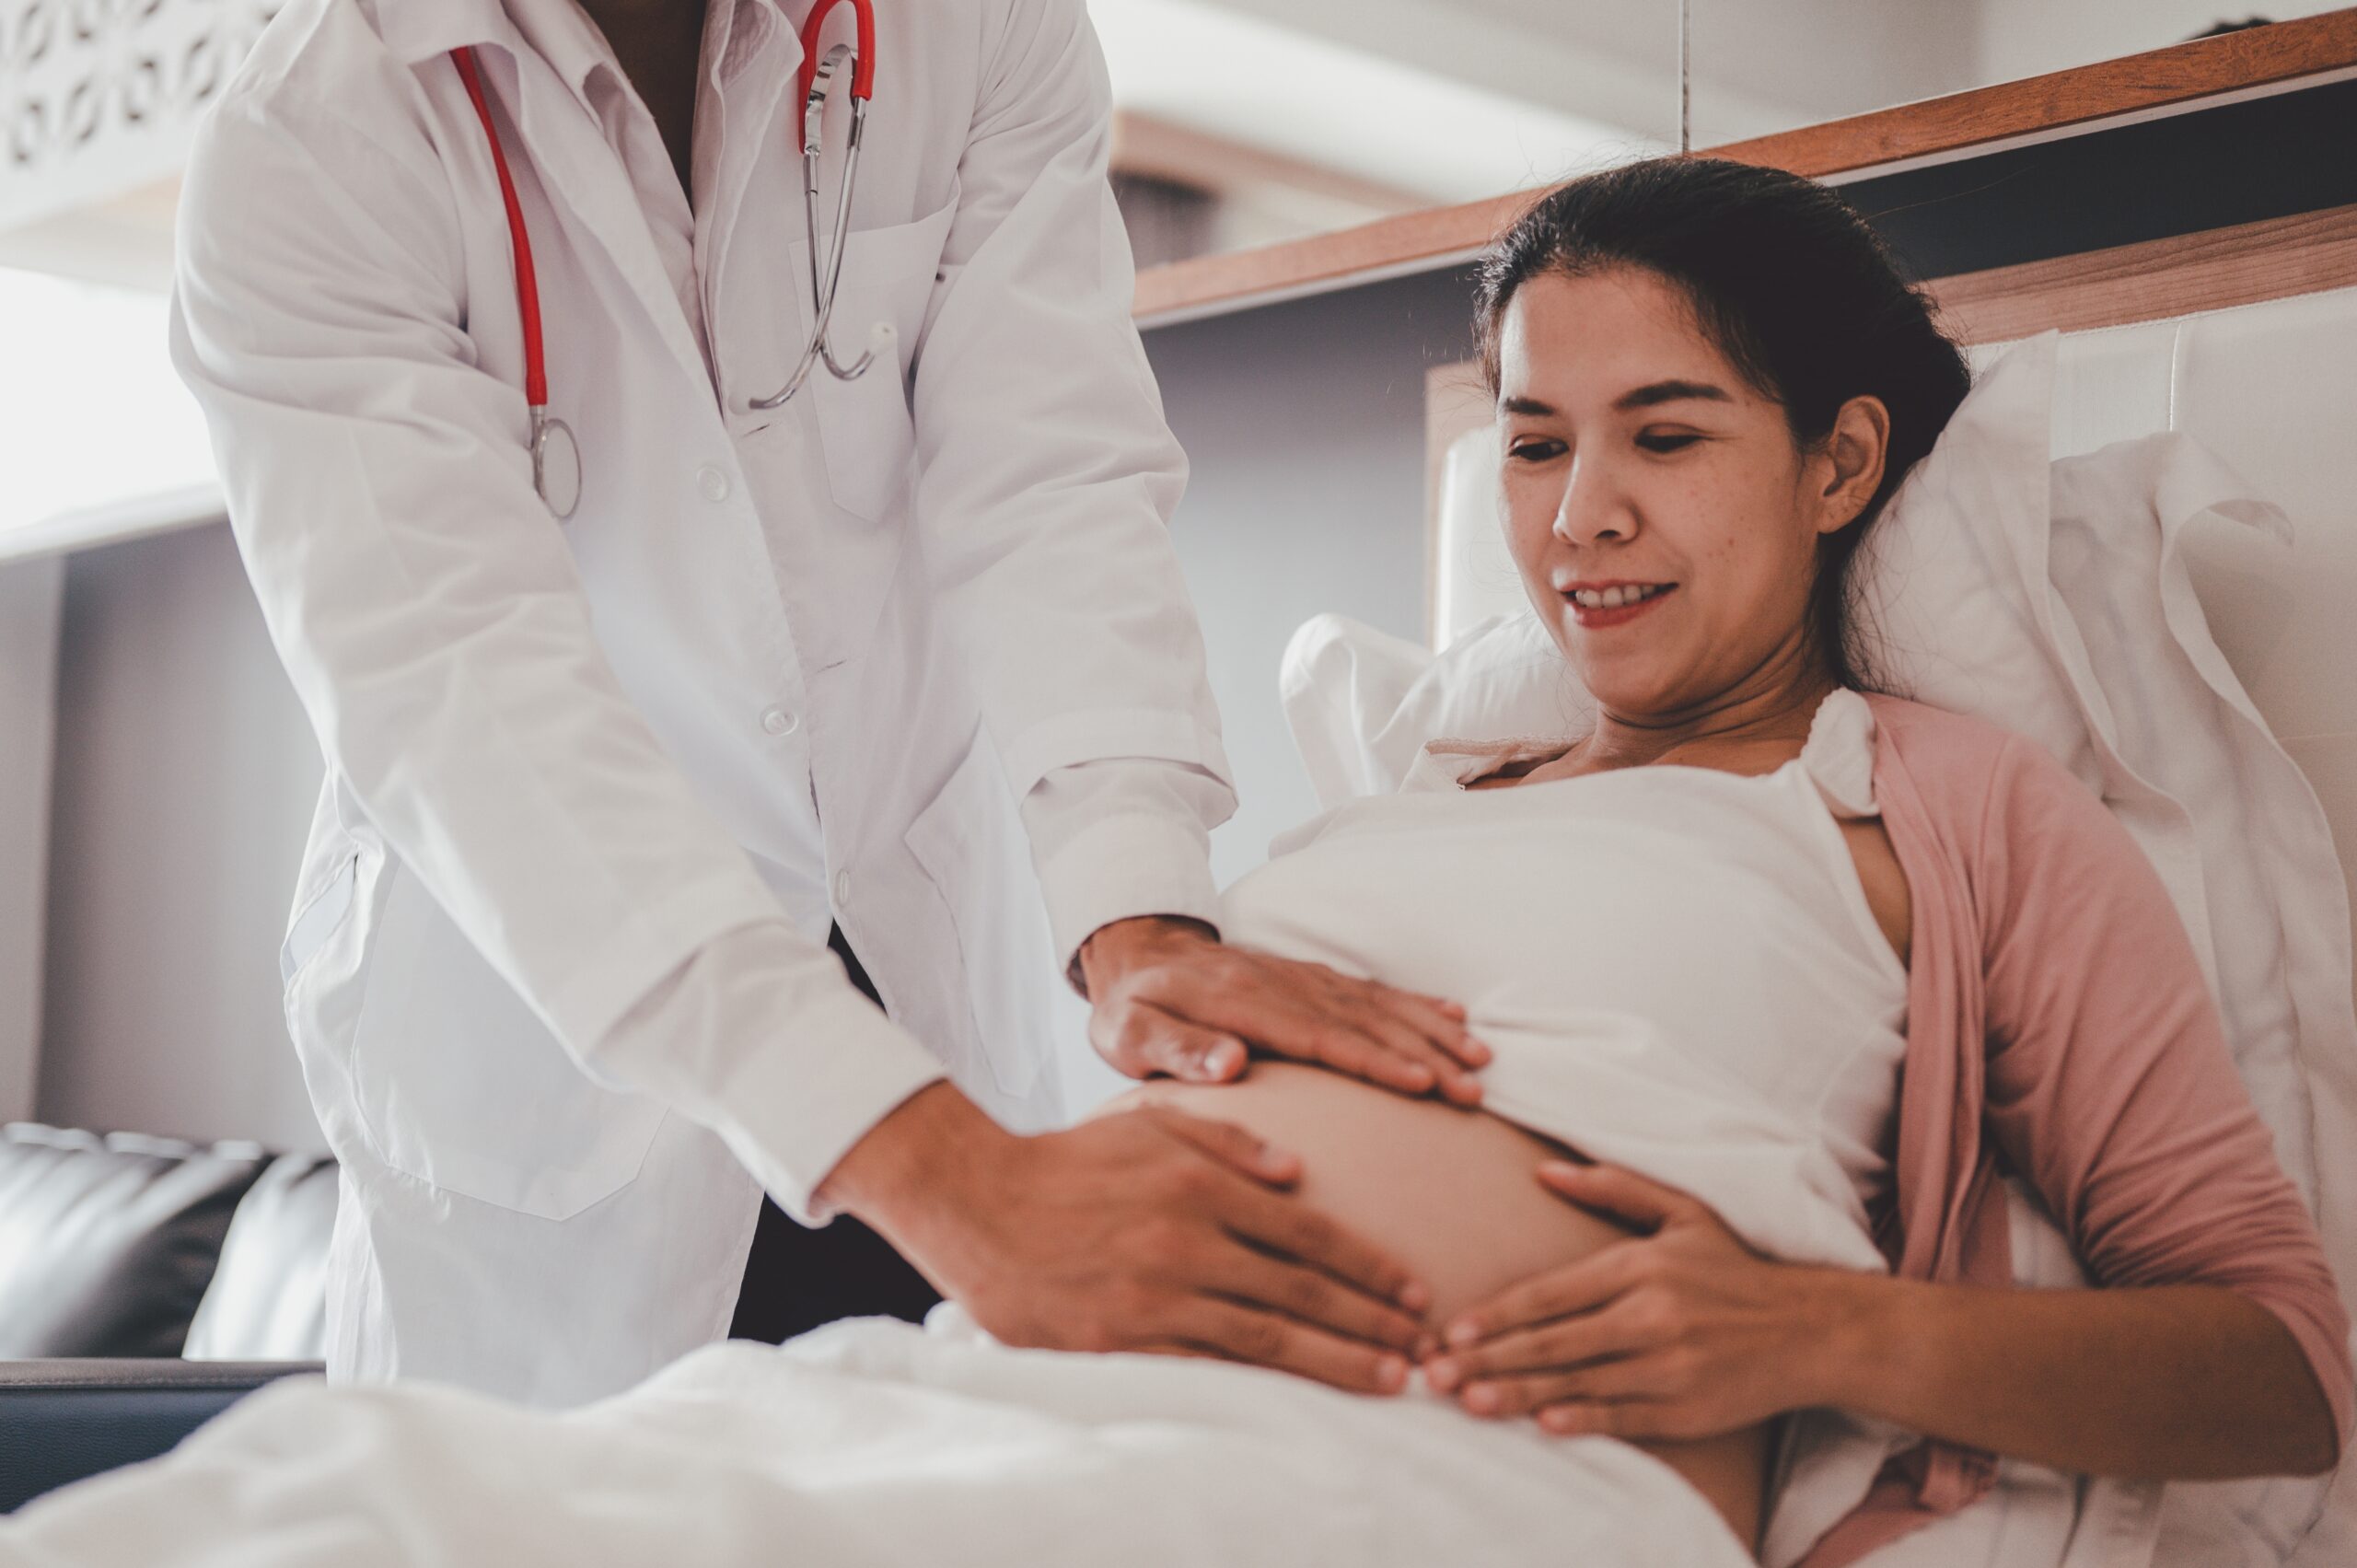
pixel 1534 451
pixel 1666 442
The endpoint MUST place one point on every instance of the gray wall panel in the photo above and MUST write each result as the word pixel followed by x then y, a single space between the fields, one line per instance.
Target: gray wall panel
pixel 31 597
pixel 1304 424
pixel 184 786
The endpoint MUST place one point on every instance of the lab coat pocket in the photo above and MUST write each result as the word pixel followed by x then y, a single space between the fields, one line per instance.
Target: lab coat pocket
pixel 319 918
pixel 459 1085
pixel 323 972
pixel 970 843
pixel 865 424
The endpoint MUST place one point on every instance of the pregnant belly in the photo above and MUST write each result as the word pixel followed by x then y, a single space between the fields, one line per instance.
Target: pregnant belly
pixel 1452 1195
pixel 1449 1192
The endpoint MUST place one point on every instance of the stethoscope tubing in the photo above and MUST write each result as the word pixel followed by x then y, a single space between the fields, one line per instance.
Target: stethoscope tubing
pixel 812 85
pixel 813 79
pixel 528 278
pixel 527 301
pixel 823 292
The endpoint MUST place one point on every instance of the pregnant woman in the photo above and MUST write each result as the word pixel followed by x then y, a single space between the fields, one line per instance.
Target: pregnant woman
pixel 1773 973
pixel 1687 937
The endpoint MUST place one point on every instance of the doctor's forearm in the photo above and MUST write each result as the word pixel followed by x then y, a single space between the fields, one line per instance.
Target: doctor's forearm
pixel 2182 1382
pixel 899 1166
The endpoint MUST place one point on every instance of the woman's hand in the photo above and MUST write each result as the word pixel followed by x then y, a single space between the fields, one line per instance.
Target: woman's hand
pixel 1680 1333
pixel 1169 998
pixel 1686 1333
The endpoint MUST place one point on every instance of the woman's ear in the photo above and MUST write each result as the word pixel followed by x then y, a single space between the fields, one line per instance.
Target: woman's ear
pixel 1856 449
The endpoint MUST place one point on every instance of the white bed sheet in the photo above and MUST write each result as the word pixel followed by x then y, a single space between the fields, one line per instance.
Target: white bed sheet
pixel 876 1445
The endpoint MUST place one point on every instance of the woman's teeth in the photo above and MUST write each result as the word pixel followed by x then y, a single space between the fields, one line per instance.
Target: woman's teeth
pixel 1612 599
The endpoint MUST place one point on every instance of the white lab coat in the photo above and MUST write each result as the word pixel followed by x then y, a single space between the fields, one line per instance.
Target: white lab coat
pixel 554 969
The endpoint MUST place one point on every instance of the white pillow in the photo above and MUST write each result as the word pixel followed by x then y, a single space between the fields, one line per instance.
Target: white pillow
pixel 2052 597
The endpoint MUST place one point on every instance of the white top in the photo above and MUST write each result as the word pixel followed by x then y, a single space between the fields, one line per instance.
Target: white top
pixel 1677 966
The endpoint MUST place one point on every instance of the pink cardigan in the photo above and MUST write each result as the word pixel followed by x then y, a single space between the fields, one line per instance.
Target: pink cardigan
pixel 2059 1027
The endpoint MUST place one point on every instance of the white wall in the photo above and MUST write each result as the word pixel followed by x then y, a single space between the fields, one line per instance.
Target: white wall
pixel 2025 37
pixel 1462 99
pixel 1465 98
pixel 185 775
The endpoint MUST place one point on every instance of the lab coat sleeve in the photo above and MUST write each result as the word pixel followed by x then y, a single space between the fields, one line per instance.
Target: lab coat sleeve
pixel 787 1114
pixel 1122 838
pixel 430 617
pixel 1047 479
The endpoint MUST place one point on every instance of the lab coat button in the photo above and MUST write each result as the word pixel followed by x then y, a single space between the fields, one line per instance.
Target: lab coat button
pixel 714 483
pixel 781 721
pixel 843 890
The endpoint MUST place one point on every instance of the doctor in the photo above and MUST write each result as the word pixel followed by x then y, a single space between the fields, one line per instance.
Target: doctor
pixel 899 667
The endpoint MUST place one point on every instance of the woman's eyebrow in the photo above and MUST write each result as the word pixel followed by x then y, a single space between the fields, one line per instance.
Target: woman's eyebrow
pixel 1646 395
pixel 1655 392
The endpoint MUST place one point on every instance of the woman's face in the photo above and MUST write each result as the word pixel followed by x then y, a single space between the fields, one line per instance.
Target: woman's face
pixel 1637 458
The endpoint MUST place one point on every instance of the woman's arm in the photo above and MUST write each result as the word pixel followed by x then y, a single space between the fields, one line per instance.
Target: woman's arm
pixel 1687 1332
pixel 2220 1344
pixel 2174 1382
pixel 2110 1089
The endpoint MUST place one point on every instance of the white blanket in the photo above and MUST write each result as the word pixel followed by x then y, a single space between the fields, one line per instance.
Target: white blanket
pixel 875 1443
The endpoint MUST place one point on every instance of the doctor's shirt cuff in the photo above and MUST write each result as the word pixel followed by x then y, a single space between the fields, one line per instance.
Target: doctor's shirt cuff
pixel 793 1115
pixel 1122 867
pixel 761 1038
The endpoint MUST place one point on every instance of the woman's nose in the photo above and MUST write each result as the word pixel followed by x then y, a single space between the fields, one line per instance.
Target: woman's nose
pixel 1593 507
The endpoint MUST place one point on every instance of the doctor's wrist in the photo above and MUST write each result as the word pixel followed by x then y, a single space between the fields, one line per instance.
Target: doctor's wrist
pixel 909 1160
pixel 1113 946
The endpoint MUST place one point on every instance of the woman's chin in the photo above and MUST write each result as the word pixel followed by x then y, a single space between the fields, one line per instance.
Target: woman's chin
pixel 1623 679
pixel 1623 684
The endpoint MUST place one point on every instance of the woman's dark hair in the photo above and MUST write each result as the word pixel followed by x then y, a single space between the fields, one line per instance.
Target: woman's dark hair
pixel 1790 284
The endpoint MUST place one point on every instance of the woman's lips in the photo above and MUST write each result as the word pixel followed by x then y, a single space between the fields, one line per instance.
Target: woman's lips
pixel 1599 618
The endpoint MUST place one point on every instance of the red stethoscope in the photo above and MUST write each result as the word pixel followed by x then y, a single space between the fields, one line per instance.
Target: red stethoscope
pixel 556 457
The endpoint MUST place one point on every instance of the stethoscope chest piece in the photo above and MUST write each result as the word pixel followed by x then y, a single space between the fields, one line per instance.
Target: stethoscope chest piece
pixel 556 464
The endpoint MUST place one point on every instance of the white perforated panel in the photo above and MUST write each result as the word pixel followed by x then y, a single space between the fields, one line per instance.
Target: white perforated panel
pixel 98 97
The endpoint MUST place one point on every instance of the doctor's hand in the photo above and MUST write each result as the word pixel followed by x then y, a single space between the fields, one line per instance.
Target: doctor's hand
pixel 1169 998
pixel 1146 1231
pixel 1681 1332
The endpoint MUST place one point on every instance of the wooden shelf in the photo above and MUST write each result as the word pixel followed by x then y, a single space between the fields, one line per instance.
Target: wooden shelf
pixel 2160 79
pixel 2216 269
